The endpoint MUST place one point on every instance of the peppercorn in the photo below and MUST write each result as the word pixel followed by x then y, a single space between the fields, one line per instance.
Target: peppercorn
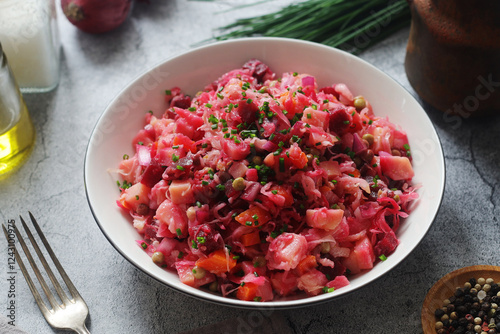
pixel 463 322
pixel 439 313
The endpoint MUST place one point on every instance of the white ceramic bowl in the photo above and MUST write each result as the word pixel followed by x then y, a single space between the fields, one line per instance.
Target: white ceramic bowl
pixel 191 71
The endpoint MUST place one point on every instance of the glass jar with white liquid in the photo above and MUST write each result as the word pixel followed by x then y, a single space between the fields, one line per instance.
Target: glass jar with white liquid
pixel 30 39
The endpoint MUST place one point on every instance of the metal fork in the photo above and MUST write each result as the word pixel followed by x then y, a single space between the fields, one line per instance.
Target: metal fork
pixel 72 313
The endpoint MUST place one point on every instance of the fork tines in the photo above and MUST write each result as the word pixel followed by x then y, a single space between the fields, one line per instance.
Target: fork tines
pixel 62 295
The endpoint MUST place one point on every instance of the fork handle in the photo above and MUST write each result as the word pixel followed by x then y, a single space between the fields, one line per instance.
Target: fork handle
pixel 81 329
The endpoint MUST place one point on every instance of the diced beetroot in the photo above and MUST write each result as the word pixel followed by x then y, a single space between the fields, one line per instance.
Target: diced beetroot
pixel 171 93
pixel 387 245
pixel 181 101
pixel 339 119
pixel 312 282
pixel 323 218
pixel 338 282
pixel 152 175
pixel 286 251
pixel 330 90
pixel 252 175
pixel 207 239
pixel 257 69
pixel 396 167
pixel 248 111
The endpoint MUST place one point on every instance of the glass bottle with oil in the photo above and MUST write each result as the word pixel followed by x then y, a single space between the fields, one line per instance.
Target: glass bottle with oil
pixel 17 134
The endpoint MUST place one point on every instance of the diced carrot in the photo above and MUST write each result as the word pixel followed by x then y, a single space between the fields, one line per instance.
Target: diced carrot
pixel 297 157
pixel 247 292
pixel 308 263
pixel 250 239
pixel 188 144
pixel 282 191
pixel 217 262
pixel 355 173
pixel 253 217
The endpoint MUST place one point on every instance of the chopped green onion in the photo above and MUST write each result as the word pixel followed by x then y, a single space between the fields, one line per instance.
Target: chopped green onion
pixel 180 168
pixel 178 231
pixel 144 245
pixel 382 257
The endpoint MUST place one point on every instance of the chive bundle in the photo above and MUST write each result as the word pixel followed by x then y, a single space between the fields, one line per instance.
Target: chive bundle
pixel 352 25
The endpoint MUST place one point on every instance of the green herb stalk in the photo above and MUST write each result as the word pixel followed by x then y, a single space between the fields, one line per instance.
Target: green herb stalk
pixel 352 25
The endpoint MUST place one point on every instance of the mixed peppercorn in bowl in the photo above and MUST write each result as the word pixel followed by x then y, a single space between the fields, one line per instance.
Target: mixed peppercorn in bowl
pixel 263 177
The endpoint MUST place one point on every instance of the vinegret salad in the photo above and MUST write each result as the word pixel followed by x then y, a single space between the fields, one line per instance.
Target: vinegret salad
pixel 261 187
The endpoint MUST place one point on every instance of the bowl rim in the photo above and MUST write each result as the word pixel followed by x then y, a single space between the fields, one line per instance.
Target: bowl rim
pixel 275 304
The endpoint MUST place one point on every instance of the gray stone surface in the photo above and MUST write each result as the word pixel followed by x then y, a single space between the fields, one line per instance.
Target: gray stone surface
pixel 124 300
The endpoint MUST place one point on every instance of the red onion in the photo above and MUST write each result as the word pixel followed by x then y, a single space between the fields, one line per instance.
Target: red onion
pixel 96 16
pixel 308 81
pixel 357 144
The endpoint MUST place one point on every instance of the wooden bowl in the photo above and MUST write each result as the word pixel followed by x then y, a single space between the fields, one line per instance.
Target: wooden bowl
pixel 445 288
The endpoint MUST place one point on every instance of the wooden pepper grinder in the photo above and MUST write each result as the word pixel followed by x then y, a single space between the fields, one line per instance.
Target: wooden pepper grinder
pixel 453 55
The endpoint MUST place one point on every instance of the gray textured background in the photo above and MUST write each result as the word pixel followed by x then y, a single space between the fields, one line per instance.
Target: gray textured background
pixel 124 300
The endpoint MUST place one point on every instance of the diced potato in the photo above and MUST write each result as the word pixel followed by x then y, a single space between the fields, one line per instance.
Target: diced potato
pixel 323 218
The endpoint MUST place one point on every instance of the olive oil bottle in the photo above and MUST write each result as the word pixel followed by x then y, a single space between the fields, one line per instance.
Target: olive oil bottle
pixel 17 134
